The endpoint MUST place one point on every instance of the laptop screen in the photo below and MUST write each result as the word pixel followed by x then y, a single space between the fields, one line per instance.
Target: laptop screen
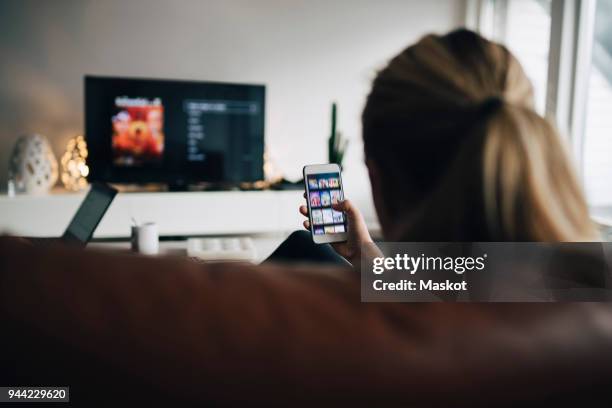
pixel 89 214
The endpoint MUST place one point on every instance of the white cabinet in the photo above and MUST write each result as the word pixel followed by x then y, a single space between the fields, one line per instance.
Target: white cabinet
pixel 177 213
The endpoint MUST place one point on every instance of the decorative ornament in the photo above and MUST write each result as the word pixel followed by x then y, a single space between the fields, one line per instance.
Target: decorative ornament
pixel 74 167
pixel 32 166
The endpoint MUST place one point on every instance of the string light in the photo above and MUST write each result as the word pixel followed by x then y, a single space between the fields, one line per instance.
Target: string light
pixel 74 164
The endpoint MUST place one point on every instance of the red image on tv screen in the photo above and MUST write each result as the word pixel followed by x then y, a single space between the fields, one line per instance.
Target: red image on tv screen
pixel 138 131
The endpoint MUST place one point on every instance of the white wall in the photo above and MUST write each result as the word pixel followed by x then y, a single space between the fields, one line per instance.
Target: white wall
pixel 308 53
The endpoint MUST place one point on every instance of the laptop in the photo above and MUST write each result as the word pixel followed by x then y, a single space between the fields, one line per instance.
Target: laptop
pixel 86 220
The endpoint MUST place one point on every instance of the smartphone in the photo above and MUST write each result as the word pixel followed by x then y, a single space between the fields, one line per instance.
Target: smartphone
pixel 324 188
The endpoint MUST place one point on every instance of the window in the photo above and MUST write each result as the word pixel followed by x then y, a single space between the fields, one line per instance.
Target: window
pixel 597 138
pixel 527 35
pixel 566 50
pixel 524 27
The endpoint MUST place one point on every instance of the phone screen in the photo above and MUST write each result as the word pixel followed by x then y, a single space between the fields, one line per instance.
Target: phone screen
pixel 325 189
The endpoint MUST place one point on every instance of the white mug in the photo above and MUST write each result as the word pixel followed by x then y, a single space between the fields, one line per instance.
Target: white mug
pixel 145 238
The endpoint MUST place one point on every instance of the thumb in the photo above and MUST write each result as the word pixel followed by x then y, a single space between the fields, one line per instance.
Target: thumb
pixel 346 206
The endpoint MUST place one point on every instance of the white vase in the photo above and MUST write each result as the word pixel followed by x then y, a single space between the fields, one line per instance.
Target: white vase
pixel 33 166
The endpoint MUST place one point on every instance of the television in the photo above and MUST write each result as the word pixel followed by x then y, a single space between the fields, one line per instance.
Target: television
pixel 174 132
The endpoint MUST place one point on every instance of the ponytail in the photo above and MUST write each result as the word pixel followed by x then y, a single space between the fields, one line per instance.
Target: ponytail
pixel 530 190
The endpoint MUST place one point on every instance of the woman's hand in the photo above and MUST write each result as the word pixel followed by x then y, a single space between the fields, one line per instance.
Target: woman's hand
pixel 357 230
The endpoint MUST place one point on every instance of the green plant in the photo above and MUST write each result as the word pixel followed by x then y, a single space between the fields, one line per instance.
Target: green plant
pixel 336 144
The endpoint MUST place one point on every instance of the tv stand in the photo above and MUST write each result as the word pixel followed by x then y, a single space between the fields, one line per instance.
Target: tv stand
pixel 177 186
pixel 186 187
pixel 177 214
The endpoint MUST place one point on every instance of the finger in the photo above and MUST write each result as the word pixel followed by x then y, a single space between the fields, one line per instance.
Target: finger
pixel 344 205
pixel 306 224
pixel 304 210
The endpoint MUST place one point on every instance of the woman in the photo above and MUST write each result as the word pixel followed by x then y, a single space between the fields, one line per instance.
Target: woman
pixel 455 152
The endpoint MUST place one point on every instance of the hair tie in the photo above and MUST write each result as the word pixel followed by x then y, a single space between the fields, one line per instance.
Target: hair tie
pixel 490 106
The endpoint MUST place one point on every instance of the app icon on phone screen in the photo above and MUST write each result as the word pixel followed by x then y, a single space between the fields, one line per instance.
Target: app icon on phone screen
pixel 325 199
pixel 335 196
pixel 315 199
pixel 317 217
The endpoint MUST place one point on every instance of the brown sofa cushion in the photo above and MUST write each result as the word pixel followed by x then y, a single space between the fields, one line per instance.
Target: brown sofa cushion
pixel 168 328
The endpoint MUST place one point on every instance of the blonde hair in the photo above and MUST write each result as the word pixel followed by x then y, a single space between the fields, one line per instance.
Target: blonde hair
pixel 450 123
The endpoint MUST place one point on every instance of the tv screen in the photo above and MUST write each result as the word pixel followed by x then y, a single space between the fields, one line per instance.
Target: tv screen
pixel 176 132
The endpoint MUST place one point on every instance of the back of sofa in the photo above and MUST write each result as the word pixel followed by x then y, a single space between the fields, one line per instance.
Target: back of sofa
pixel 124 328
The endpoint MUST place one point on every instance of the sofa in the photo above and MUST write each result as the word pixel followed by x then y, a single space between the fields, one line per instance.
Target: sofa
pixel 119 329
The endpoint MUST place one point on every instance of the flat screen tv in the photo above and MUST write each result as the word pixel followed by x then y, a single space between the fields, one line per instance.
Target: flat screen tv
pixel 174 132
